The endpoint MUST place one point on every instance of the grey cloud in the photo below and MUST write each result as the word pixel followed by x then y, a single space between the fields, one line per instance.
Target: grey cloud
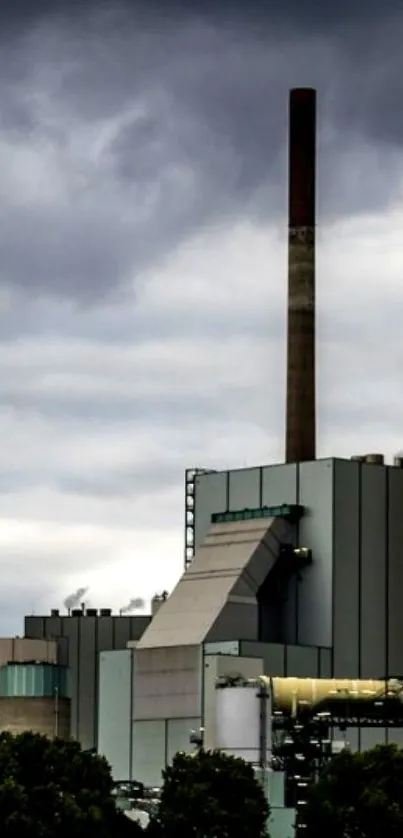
pixel 154 478
pixel 206 140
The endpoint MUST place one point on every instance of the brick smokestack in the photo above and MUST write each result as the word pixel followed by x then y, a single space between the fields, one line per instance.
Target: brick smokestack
pixel 301 402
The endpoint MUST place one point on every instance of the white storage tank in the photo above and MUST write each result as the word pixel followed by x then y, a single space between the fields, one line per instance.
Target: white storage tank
pixel 243 721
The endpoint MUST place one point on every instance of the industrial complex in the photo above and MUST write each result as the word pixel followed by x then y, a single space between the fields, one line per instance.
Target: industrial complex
pixel 282 640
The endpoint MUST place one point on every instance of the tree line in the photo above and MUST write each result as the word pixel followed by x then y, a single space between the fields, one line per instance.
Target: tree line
pixel 54 789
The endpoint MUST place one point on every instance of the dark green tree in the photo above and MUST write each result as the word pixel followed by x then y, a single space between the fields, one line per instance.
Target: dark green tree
pixel 210 795
pixel 54 789
pixel 359 795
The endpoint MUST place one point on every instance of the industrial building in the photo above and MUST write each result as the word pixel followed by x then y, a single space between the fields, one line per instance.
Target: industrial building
pixel 34 692
pixel 292 571
pixel 80 636
pixel 297 572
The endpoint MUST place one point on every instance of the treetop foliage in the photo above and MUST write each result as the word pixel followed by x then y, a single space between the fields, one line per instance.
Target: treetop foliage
pixel 211 795
pixel 54 789
pixel 359 794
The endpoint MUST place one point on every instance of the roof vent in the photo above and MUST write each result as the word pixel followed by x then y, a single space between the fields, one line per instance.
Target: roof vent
pixel 77 612
pixel 91 612
pixel 157 601
pixel 398 461
pixel 375 459
pixel 54 612
pixel 358 458
pixel 105 612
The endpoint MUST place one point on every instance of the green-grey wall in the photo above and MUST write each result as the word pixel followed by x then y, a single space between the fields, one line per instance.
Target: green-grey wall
pixel 115 711
pixel 309 605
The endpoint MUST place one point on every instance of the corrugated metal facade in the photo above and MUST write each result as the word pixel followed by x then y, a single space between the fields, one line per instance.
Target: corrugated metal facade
pixel 350 600
pixel 308 611
pixel 40 679
pixel 80 640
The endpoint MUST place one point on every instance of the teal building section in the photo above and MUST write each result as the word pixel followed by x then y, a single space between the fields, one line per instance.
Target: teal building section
pixel 33 680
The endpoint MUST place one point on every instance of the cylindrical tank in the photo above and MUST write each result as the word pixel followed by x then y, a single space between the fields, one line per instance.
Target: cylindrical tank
pixel 242 722
pixel 289 693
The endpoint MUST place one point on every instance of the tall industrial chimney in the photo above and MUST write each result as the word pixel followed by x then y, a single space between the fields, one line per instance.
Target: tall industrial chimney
pixel 301 402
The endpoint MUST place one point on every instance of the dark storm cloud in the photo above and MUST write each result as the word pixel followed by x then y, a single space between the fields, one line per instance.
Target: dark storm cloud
pixel 310 13
pixel 200 101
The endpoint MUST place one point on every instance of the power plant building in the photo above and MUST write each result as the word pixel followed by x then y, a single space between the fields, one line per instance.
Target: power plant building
pixel 80 637
pixel 291 570
pixel 297 572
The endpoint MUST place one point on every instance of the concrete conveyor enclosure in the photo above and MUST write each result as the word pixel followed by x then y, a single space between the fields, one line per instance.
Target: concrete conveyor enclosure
pixel 220 594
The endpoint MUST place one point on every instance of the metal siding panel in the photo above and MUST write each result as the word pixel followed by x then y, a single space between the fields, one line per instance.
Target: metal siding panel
pixel 282 822
pixel 63 651
pixel 371 737
pixel 302 662
pixel 395 736
pixel 105 634
pixel 114 719
pixel 395 586
pixel 271 654
pixel 315 531
pixel 149 751
pixel 34 627
pixel 138 625
pixel 279 484
pixel 346 564
pixel 69 630
pixel 210 496
pixel 87 682
pixel 227 647
pixel 178 733
pixel 121 632
pixel 373 571
pixel 325 663
pixel 244 489
pixel 104 643
pixel 350 737
pixel 53 627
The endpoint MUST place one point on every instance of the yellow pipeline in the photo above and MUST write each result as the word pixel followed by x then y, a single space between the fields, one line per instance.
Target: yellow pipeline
pixel 290 693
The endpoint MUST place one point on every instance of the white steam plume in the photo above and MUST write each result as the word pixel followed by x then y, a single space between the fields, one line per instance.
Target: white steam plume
pixel 133 605
pixel 75 598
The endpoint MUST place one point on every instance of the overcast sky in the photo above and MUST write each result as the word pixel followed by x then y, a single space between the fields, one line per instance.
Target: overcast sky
pixel 143 267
